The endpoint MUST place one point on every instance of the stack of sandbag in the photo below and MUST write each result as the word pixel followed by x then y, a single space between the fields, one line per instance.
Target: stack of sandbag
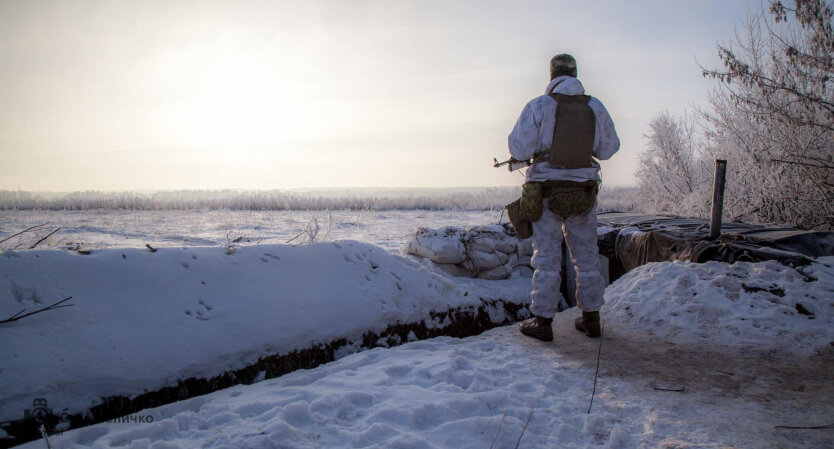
pixel 486 252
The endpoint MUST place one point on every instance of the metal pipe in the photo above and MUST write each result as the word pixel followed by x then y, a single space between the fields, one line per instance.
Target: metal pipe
pixel 717 198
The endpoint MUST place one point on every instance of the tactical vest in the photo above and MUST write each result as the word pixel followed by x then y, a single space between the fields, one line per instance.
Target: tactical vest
pixel 573 135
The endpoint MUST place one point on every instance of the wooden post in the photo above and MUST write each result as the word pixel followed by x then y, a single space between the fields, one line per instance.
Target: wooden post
pixel 717 198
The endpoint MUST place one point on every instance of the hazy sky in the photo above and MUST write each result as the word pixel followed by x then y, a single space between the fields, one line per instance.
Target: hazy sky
pixel 117 95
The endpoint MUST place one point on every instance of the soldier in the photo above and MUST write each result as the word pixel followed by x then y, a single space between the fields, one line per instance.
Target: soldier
pixel 562 131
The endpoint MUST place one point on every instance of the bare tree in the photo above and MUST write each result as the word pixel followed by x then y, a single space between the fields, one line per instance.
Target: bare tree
pixel 773 116
pixel 672 171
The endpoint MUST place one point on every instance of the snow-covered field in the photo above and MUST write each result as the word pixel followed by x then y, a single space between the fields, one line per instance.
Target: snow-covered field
pixel 124 228
pixel 694 379
pixel 356 199
pixel 380 216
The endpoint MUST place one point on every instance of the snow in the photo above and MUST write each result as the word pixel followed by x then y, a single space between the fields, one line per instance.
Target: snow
pixel 143 320
pixel 173 228
pixel 767 304
pixel 738 356
pixel 438 393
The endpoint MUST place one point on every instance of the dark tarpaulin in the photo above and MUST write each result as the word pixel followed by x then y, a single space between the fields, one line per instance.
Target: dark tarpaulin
pixel 635 240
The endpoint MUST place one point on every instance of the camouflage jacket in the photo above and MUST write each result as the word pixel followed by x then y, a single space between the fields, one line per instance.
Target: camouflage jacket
pixel 533 133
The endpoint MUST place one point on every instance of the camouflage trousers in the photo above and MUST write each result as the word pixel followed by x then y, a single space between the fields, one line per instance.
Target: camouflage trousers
pixel 580 235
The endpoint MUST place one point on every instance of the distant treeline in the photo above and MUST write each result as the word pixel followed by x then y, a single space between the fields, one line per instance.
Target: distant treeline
pixel 465 199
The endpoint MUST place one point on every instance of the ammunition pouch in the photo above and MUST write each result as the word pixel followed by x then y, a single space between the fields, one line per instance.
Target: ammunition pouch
pixel 530 207
pixel 567 198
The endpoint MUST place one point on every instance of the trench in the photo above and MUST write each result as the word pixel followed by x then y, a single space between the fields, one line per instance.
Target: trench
pixel 459 322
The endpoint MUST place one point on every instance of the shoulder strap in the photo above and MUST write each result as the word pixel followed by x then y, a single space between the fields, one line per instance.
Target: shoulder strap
pixel 583 99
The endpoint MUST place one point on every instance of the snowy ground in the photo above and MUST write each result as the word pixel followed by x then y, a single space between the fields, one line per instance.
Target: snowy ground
pixel 740 355
pixel 142 321
pixel 124 228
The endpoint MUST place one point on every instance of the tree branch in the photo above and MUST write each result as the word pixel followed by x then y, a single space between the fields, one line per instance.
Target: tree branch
pixel 47 236
pixel 25 230
pixel 806 164
pixel 57 305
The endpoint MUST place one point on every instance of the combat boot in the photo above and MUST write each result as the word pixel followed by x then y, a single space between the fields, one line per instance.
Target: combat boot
pixel 589 324
pixel 538 327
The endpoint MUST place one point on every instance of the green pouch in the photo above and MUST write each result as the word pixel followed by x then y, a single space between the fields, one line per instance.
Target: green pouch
pixel 567 201
pixel 530 208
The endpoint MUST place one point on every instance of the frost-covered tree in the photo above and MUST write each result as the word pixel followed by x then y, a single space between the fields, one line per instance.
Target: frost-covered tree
pixel 772 118
pixel 773 115
pixel 672 167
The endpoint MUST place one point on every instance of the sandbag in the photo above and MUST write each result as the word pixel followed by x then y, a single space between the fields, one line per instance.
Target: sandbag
pixel 523 271
pixel 483 261
pixel 490 242
pixel 524 260
pixel 439 246
pixel 497 273
pixel 525 247
pixel 456 270
pixel 486 251
pixel 484 244
pixel 507 247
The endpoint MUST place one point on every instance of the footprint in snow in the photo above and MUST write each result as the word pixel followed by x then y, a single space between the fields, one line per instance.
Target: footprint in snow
pixel 397 370
pixel 203 311
pixel 25 295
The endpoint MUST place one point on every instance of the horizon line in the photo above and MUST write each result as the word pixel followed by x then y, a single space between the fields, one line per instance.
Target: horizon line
pixel 247 189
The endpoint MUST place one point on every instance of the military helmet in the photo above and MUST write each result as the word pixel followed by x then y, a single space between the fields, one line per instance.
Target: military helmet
pixel 561 65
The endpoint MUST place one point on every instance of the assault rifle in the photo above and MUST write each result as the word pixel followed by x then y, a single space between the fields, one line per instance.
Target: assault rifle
pixel 514 164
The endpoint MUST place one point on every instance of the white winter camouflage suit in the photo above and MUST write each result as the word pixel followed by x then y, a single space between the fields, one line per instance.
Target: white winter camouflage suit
pixel 533 133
